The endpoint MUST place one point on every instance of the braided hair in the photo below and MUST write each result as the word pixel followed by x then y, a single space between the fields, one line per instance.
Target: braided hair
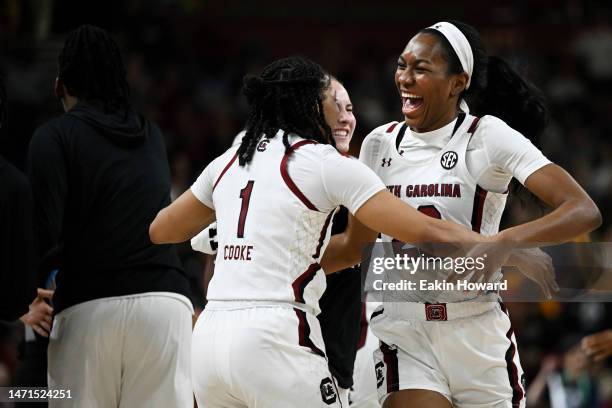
pixel 497 89
pixel 289 96
pixel 91 68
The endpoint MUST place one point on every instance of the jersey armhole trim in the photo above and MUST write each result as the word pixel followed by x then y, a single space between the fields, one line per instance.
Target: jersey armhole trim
pixel 287 179
pixel 227 166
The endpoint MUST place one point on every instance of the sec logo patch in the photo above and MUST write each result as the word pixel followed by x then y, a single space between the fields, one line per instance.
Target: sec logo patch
pixel 449 160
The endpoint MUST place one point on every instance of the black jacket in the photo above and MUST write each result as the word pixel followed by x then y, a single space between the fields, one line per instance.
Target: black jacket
pixel 98 181
pixel 17 243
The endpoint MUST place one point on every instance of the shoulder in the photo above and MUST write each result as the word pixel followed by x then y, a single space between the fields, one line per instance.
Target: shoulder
pixel 384 131
pixel 53 130
pixel 229 156
pixel 493 133
pixel 492 123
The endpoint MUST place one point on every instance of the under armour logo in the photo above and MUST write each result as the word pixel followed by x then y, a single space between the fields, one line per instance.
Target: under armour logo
pixel 449 160
pixel 386 162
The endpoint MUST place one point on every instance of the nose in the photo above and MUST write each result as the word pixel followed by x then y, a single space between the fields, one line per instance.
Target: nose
pixel 405 77
pixel 344 117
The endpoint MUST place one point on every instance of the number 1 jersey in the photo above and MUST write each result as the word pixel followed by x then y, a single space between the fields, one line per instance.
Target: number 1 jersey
pixel 273 218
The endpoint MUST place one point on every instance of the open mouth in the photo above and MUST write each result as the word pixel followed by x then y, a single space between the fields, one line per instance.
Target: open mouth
pixel 340 134
pixel 411 103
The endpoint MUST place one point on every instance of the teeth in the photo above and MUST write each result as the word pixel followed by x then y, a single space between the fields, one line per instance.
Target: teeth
pixel 411 96
pixel 340 133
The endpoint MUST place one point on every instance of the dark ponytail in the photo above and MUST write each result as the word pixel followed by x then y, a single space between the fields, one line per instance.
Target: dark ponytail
pixel 497 89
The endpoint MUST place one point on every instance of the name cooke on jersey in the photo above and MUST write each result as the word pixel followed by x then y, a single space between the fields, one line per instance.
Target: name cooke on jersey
pixel 237 252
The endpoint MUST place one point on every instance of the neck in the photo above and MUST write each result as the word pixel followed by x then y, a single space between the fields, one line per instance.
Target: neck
pixel 68 102
pixel 444 120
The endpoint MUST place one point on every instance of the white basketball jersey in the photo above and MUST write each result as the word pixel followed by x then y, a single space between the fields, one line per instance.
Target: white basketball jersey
pixel 272 233
pixel 440 187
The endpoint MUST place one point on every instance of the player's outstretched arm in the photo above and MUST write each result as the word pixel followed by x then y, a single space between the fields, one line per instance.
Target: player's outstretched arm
pixel 385 213
pixel 181 220
pixel 574 212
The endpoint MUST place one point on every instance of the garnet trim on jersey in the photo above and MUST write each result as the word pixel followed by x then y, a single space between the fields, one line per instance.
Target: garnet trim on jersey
pixel 474 125
pixel 517 390
pixel 322 236
pixel 303 280
pixel 390 128
pixel 227 166
pixel 390 358
pixel 304 333
pixel 285 174
pixel 480 196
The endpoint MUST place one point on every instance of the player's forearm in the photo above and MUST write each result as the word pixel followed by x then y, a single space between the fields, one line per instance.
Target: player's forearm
pixel 161 231
pixel 450 232
pixel 571 219
pixel 340 254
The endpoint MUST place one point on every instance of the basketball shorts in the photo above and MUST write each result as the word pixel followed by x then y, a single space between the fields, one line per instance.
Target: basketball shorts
pixel 260 356
pixel 127 351
pixel 471 358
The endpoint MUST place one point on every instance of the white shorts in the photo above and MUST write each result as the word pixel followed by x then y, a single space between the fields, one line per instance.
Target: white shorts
pixel 471 360
pixel 127 351
pixel 262 356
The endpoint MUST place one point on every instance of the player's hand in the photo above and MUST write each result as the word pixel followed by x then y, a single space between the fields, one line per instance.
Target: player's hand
pixel 492 255
pixel 40 316
pixel 598 346
pixel 206 240
pixel 537 265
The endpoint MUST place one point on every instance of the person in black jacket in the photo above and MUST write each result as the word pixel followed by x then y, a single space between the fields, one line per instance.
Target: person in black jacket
pixel 17 238
pixel 121 334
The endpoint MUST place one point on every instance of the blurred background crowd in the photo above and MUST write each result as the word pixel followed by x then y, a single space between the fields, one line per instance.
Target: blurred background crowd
pixel 186 59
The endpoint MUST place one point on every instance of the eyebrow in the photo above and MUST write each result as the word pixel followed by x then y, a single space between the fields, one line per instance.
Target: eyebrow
pixel 417 61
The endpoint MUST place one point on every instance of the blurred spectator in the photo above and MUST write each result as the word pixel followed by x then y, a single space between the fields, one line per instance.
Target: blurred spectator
pixel 598 346
pixel 566 378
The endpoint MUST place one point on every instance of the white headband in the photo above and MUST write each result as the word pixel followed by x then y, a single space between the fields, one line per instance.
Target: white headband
pixel 460 45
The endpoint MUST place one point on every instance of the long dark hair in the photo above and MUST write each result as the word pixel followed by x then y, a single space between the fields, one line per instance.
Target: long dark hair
pixel 91 68
pixel 497 89
pixel 289 96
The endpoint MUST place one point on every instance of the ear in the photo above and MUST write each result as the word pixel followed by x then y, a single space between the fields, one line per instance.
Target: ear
pixel 458 84
pixel 59 88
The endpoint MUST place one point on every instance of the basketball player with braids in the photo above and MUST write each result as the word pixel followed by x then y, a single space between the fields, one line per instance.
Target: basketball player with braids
pixel 121 334
pixel 258 342
pixel 470 126
pixel 340 304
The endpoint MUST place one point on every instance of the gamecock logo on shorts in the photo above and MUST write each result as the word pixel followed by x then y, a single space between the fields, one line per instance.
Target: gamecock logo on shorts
pixel 449 160
pixel 380 375
pixel 328 391
pixel 435 311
